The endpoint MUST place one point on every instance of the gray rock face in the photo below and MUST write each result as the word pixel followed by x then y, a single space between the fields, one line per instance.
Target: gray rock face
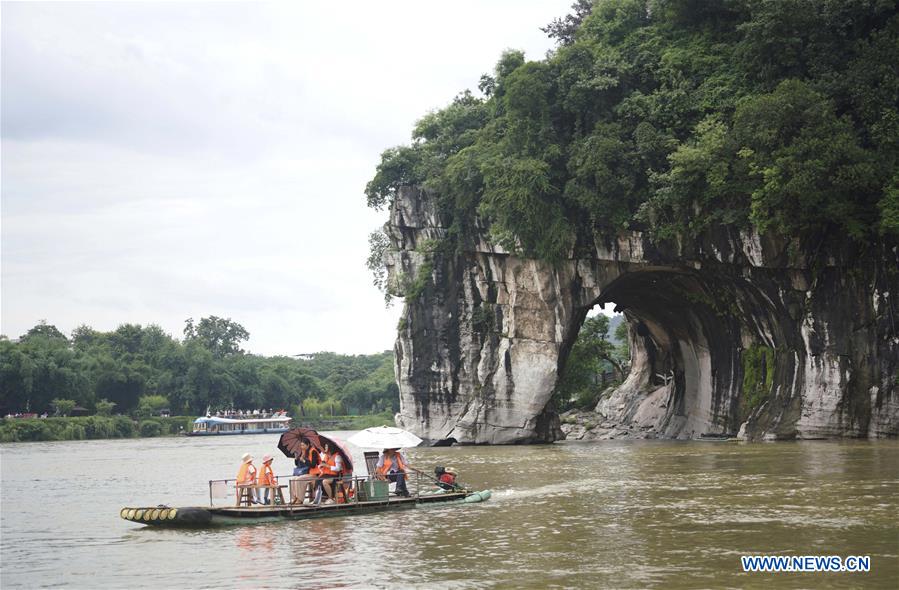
pixel 810 331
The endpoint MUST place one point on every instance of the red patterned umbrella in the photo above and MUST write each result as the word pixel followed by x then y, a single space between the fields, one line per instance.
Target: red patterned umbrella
pixel 289 444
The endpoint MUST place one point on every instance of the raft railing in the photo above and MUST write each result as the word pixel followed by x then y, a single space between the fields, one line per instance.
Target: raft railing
pixel 416 482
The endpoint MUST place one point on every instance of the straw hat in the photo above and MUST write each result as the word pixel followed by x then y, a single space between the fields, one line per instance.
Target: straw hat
pixel 266 458
pixel 451 470
pixel 246 458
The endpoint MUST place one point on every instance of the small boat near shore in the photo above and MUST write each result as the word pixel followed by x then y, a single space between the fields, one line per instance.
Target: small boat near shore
pixel 364 502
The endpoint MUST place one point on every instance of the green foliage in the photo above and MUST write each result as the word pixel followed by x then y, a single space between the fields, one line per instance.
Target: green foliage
pixel 141 370
pixel 483 318
pixel 889 207
pixel 44 330
pixel 314 408
pixel 150 405
pixel 399 167
pixel 27 431
pixel 220 336
pixel 104 407
pixel 673 116
pixel 591 355
pixel 758 377
pixel 89 427
pixel 348 422
pixel 413 289
pixel 620 336
pixel 62 407
pixel 564 29
pixel 378 245
pixel 149 428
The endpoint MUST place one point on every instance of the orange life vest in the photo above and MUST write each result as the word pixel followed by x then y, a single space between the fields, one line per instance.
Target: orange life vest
pixel 246 473
pixel 328 466
pixel 316 469
pixel 388 463
pixel 266 476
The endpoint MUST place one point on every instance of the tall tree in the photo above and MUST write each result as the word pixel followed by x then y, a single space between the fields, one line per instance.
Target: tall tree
pixel 220 336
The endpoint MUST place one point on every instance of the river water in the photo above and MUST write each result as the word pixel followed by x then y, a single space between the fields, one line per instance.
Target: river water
pixel 637 514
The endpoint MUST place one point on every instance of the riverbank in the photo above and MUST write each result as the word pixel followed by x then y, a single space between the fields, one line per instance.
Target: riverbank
pixel 90 428
pixel 346 422
pixel 108 427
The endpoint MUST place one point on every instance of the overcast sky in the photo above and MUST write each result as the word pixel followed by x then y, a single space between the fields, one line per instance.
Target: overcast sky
pixel 165 161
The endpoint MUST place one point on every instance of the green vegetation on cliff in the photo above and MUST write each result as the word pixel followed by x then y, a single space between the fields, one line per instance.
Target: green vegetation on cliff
pixel 758 378
pixel 138 371
pixel 672 116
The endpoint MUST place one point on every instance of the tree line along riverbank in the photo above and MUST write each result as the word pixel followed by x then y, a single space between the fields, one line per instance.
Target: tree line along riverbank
pixel 138 370
pixel 110 427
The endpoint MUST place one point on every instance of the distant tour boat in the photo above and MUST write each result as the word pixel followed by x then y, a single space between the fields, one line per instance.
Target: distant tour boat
pixel 215 425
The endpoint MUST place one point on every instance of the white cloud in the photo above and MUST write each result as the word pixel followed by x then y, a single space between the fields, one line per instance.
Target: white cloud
pixel 163 161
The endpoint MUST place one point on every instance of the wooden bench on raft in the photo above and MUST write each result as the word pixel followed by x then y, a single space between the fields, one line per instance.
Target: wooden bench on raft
pixel 245 494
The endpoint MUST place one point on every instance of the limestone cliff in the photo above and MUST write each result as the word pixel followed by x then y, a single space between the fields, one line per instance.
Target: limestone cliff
pixel 734 333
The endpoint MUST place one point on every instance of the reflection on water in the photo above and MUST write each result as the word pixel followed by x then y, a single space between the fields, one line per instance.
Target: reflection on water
pixel 606 514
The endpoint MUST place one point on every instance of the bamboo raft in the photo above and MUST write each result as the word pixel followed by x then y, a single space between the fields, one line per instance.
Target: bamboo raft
pixel 360 503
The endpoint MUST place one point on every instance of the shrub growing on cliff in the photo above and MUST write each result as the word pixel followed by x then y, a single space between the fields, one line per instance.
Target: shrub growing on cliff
pixel 758 378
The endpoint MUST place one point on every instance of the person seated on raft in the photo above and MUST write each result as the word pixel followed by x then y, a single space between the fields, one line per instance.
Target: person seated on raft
pixel 266 477
pixel 330 469
pixel 305 473
pixel 246 476
pixel 392 466
pixel 447 479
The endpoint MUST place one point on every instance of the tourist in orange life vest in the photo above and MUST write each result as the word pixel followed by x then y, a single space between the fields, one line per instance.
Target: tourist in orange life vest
pixel 330 469
pixel 266 476
pixel 392 466
pixel 305 473
pixel 246 475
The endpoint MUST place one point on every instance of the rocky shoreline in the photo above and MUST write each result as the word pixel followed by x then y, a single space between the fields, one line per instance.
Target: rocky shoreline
pixel 586 425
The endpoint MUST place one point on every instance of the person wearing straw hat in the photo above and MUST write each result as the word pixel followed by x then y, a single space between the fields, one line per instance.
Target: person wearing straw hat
pixel 447 479
pixel 266 476
pixel 246 476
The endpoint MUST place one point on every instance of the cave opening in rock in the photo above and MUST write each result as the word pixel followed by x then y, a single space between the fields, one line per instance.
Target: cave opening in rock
pixel 684 337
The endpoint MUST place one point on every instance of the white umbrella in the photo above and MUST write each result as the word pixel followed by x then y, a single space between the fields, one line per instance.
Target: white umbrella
pixel 384 437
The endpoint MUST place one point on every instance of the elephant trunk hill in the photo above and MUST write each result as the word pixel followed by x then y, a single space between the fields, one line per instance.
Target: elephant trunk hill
pixel 732 333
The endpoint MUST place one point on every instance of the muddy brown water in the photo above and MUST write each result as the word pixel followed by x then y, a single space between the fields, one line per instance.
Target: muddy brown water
pixel 638 514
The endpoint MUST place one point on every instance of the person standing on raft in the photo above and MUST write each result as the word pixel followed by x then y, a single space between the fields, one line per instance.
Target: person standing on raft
pixel 392 466
pixel 266 477
pixel 246 476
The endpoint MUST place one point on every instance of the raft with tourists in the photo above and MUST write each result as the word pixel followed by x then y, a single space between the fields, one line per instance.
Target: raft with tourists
pixel 322 485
